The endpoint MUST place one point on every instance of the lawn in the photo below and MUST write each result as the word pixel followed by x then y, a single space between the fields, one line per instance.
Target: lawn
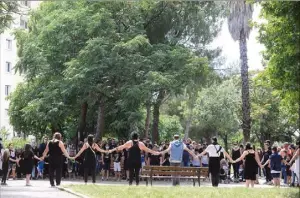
pixel 98 191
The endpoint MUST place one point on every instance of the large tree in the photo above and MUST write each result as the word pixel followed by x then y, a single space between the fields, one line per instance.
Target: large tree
pixel 7 11
pixel 239 28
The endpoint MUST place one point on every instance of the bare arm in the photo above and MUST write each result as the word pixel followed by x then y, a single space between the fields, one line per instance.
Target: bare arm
pixel 127 145
pixel 146 149
pixel 99 149
pixel 63 149
pixel 295 156
pixel 81 150
pixel 46 151
pixel 228 156
pixel 203 153
pixel 257 159
pixel 267 162
pixel 190 152
pixel 242 157
pixel 166 151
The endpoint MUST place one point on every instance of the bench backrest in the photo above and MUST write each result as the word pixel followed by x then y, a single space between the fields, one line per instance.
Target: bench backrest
pixel 174 170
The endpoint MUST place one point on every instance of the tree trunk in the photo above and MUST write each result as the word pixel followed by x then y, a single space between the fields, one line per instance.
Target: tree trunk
pixel 246 122
pixel 147 121
pixel 156 106
pixel 100 121
pixel 82 123
pixel 187 127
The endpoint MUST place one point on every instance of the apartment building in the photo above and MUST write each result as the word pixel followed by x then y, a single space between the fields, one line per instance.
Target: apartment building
pixel 8 59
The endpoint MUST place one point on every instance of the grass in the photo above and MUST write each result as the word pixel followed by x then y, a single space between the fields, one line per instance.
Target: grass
pixel 98 191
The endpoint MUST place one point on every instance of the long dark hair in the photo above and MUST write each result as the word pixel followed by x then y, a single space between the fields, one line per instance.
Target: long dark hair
pixel 27 150
pixel 90 140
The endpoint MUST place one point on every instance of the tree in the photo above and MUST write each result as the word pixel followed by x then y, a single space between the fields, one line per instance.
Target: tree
pixel 239 28
pixel 216 110
pixel 7 10
pixel 281 37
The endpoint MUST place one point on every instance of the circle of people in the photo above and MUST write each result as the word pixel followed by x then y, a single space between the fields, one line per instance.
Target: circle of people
pixel 276 162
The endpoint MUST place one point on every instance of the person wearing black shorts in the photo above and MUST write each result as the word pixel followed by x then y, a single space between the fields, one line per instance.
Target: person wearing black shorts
pixel 106 160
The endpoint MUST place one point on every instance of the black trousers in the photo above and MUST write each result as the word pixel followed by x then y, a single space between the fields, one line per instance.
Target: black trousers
pixel 214 169
pixel 86 174
pixel 268 174
pixel 57 168
pixel 236 167
pixel 4 175
pixel 134 170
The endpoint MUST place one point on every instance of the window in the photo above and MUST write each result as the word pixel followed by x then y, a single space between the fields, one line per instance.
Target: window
pixel 7 90
pixel 8 67
pixel 23 23
pixel 25 3
pixel 8 44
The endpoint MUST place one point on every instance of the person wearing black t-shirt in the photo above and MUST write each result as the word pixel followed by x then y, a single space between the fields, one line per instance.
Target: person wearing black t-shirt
pixel 235 154
pixel 117 165
pixel 154 160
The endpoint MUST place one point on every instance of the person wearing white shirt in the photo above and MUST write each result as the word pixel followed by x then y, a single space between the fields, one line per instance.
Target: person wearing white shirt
pixel 214 150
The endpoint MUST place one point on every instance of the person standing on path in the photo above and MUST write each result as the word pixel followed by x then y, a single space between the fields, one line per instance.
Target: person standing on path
pixel 89 160
pixel 134 147
pixel 236 153
pixel 28 162
pixel 214 151
pixel 176 149
pixel 56 149
pixel 5 164
pixel 251 161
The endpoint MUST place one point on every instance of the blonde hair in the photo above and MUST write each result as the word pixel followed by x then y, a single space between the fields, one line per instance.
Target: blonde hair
pixel 6 155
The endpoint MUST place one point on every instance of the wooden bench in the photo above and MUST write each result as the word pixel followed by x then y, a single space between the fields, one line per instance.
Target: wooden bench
pixel 194 173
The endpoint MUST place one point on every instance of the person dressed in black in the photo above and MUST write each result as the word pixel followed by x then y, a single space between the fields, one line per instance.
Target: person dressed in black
pixel 56 149
pixel 28 162
pixel 5 164
pixel 266 154
pixel 214 151
pixel 251 161
pixel 236 153
pixel 134 147
pixel 89 160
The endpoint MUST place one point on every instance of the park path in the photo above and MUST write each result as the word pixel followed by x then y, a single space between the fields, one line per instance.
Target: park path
pixel 39 189
pixel 42 189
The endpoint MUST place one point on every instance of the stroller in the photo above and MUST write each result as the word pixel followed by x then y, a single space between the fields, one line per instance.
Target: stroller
pixel 224 178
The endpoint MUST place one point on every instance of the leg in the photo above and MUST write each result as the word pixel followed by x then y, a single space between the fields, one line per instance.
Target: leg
pixel 93 172
pixel 131 172
pixel 252 183
pixel 58 175
pixel 137 175
pixel 85 174
pixel 28 179
pixel 51 174
pixel 4 176
pixel 247 183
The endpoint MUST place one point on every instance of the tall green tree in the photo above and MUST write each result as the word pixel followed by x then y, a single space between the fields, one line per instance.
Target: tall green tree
pixel 240 14
pixel 7 10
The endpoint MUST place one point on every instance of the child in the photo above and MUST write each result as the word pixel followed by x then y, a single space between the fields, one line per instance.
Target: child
pixel 5 161
pixel 196 162
pixel 41 169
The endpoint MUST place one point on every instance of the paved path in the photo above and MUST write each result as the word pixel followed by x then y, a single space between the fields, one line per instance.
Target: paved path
pixel 42 189
pixel 39 189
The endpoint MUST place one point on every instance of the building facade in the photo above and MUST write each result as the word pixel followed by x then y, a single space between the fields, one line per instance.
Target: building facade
pixel 9 79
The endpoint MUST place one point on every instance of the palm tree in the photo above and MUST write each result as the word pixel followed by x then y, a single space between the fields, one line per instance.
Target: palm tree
pixel 239 28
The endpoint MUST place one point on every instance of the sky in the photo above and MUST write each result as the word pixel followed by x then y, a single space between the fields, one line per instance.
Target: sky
pixel 230 48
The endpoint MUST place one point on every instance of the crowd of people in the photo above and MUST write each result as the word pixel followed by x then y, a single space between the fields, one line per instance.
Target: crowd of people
pixel 123 160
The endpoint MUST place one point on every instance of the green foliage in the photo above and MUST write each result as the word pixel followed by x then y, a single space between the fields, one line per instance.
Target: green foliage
pixel 17 142
pixel 169 126
pixel 4 133
pixel 7 10
pixel 281 37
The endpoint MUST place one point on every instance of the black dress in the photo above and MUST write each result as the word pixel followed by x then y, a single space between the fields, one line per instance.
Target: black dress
pixel 250 167
pixel 28 162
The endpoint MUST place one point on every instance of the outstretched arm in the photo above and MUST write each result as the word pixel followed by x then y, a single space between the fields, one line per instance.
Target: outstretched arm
pixel 166 151
pixel 81 150
pixel 241 158
pixel 257 159
pixel 46 151
pixel 295 156
pixel 63 149
pixel 99 149
pixel 228 156
pixel 203 153
pixel 124 146
pixel 146 149
pixel 190 152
